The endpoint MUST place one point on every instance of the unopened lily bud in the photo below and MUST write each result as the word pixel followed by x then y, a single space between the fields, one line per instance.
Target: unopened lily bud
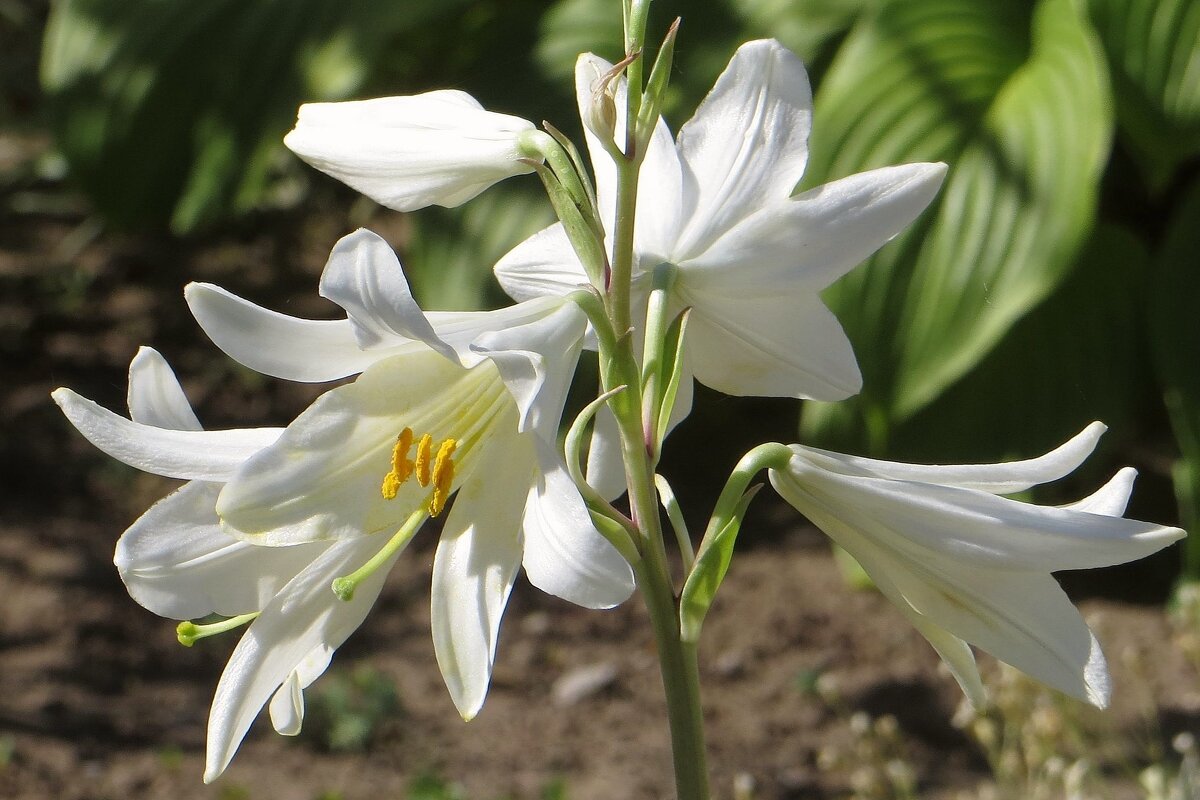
pixel 600 115
pixel 437 148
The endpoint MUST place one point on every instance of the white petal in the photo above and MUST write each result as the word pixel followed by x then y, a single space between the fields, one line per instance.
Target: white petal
pixel 155 396
pixel 322 478
pixel 1022 618
pixel 537 360
pixel 564 553
pixel 275 344
pixel 474 569
pixel 787 345
pixel 287 707
pixel 543 265
pixel 364 277
pixel 177 562
pixel 1003 478
pixel 1111 498
pixel 303 616
pixel 199 455
pixel 747 145
pixel 287 704
pixel 974 527
pixel 438 148
pixel 605 464
pixel 809 241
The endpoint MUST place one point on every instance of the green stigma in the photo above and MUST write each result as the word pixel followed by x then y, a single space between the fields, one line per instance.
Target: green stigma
pixel 188 632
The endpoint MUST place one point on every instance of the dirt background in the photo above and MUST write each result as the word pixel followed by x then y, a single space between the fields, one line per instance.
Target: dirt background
pixel 97 699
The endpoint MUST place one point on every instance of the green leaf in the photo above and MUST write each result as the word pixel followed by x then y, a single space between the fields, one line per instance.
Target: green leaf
pixel 712 562
pixel 1175 341
pixel 1153 49
pixel 1077 357
pixel 172 112
pixel 806 27
pixel 1014 98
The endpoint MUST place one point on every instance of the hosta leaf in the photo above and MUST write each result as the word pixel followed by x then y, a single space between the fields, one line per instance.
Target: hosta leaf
pixel 1175 341
pixel 805 27
pixel 1077 357
pixel 1153 49
pixel 171 112
pixel 1013 97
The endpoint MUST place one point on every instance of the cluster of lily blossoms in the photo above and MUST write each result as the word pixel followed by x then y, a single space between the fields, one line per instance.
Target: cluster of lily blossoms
pixel 291 532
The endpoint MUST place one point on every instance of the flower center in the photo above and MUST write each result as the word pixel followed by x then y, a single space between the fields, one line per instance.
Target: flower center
pixel 430 469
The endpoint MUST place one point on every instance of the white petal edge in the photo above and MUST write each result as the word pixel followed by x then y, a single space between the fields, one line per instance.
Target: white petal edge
pixel 564 553
pixel 155 396
pixel 747 144
pixel 191 455
pixel 787 345
pixel 474 569
pixel 1000 478
pixel 177 562
pixel 309 351
pixel 806 242
pixel 543 265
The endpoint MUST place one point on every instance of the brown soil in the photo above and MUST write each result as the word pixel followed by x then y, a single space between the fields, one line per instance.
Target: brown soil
pixel 97 700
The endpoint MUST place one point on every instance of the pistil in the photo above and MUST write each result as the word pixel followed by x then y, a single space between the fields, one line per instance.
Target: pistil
pixel 188 632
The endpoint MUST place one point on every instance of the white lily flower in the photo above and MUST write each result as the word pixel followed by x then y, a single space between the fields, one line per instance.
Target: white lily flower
pixel 967 566
pixel 751 257
pixel 437 148
pixel 486 390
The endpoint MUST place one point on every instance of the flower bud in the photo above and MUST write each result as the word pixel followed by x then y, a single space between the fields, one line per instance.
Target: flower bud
pixel 437 148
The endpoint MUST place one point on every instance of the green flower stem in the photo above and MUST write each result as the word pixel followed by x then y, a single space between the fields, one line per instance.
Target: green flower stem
pixel 770 455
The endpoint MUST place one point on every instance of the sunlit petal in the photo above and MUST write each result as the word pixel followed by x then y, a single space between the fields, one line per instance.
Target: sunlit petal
pixel 190 454
pixel 474 568
pixel 310 351
pixel 155 396
pixel 303 616
pixel 177 562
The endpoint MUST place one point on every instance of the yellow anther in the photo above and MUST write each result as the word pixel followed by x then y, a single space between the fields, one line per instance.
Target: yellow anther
pixel 421 465
pixel 443 476
pixel 402 466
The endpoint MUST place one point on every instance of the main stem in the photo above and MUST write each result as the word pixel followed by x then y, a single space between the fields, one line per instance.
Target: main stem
pixel 677 659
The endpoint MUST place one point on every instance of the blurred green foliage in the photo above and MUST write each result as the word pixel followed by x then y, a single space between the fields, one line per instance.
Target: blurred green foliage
pixel 1053 282
pixel 346 708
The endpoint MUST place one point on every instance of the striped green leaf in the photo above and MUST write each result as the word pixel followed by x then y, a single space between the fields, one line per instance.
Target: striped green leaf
pixel 1153 49
pixel 1013 97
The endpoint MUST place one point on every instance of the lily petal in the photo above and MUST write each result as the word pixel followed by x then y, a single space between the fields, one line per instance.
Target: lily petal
pixel 746 144
pixel 309 351
pixel 176 561
pixel 972 527
pixel 303 616
pixel 542 265
pixel 364 277
pixel 536 361
pixel 155 396
pixel 769 346
pixel 1003 478
pixel 474 568
pixel 191 455
pixel 287 704
pixel 564 553
pixel 808 241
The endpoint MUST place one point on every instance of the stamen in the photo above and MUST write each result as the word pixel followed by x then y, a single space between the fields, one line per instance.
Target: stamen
pixel 402 466
pixel 443 476
pixel 188 632
pixel 344 586
pixel 424 448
